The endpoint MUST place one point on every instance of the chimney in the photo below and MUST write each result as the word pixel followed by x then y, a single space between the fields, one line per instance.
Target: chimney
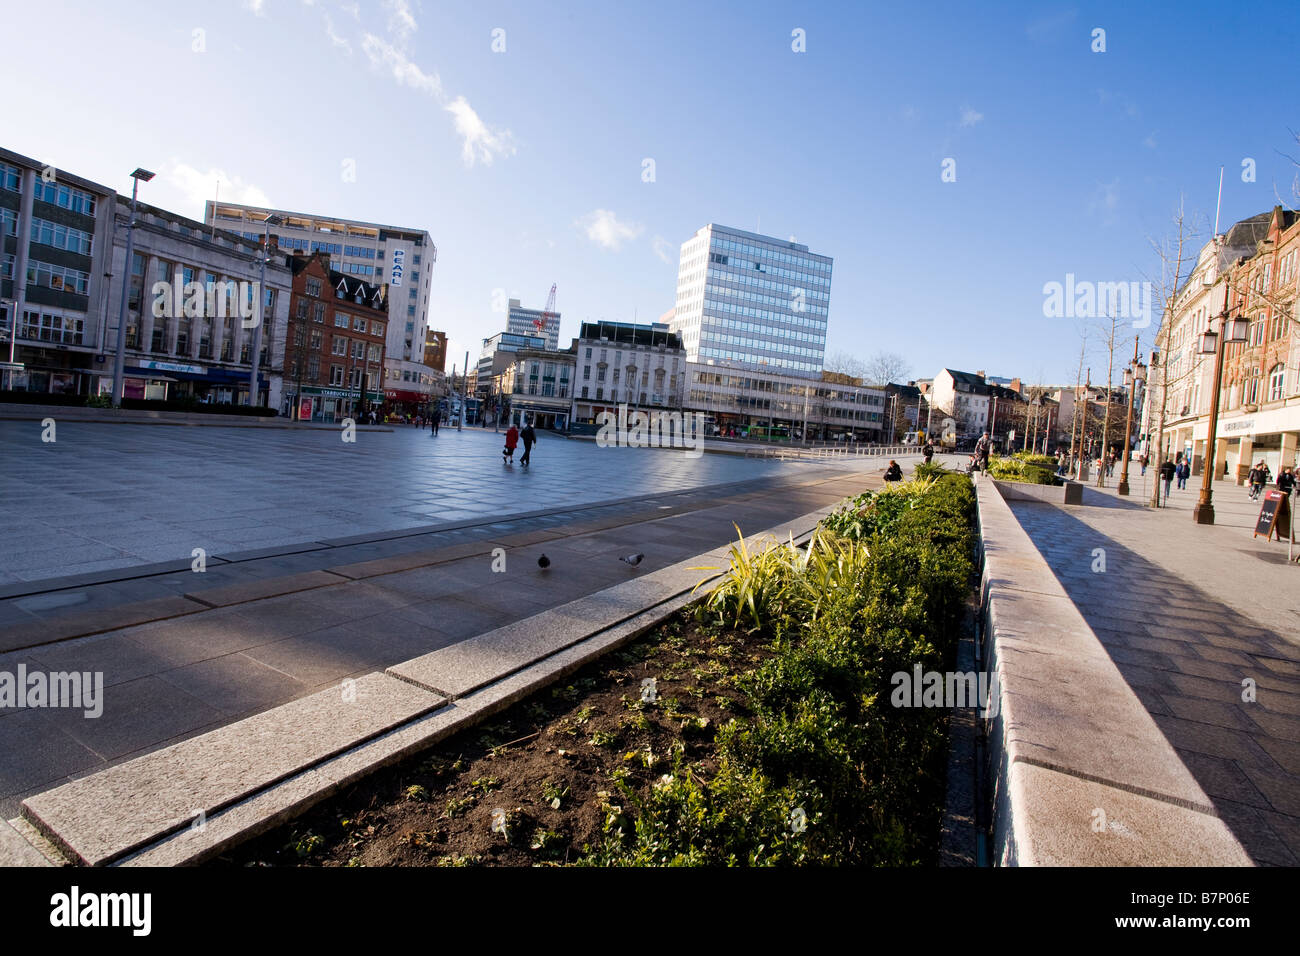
pixel 980 373
pixel 1015 385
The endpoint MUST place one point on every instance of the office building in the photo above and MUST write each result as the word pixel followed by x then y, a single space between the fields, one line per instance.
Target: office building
pixel 621 363
pixel 523 321
pixel 752 301
pixel 400 256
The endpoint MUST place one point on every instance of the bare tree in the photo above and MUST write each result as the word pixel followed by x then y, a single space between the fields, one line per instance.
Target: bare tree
pixel 842 363
pixel 1171 253
pixel 885 367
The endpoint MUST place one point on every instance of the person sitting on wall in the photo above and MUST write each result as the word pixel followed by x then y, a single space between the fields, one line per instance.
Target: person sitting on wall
pixel 893 472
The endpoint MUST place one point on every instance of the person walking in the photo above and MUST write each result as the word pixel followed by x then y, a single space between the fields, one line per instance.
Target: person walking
pixel 1183 470
pixel 1257 477
pixel 512 440
pixel 1143 462
pixel 529 438
pixel 1286 480
pixel 435 420
pixel 982 449
pixel 1167 470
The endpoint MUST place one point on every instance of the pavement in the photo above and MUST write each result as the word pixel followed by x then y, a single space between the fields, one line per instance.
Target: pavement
pixel 1202 622
pixel 184 653
pixel 101 498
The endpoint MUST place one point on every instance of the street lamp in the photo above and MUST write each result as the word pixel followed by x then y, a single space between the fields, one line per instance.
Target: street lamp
pixel 137 177
pixel 1212 343
pixel 271 220
pixel 1134 375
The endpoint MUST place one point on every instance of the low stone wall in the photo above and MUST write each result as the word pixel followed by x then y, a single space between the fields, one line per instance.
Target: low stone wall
pixel 1080 773
pixel 1070 493
pixel 145 416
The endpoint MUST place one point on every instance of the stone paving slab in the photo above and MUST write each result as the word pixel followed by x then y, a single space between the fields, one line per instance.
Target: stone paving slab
pixel 93 622
pixel 1057 814
pixel 255 590
pixel 291 797
pixel 15 850
pixel 1070 734
pixel 102 817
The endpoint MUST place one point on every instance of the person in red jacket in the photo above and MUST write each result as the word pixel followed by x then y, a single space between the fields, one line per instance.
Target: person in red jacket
pixel 512 439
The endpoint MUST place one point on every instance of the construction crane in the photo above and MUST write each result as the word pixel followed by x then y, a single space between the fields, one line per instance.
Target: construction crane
pixel 548 313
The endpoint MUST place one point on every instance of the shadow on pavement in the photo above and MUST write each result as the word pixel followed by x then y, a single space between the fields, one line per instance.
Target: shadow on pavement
pixel 1186 656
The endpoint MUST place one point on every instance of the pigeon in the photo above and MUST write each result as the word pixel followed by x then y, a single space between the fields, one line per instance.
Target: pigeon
pixel 632 559
pixel 543 562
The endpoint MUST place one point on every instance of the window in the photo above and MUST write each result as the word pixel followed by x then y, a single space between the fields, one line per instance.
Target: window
pixel 584 391
pixel 10 178
pixel 304 308
pixel 313 288
pixel 1250 392
pixel 44 327
pixel 340 345
pixel 374 353
pixel 340 320
pixel 319 316
pixel 60 237
pixel 1276 382
pixel 376 328
pixel 586 372
pixel 57 277
pixel 313 368
pixel 8 222
pixel 299 336
pixel 358 325
pixel 336 374
pixel 358 349
pixel 65 197
pixel 316 339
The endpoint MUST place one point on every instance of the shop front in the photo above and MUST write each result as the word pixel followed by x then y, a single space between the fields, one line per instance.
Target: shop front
pixel 1244 440
pixel 405 403
pixel 324 404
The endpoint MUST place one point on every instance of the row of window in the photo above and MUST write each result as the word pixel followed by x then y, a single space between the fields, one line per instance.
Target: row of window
pixel 719 338
pixel 799 300
pixel 44 327
pixel 10 178
pixel 766 328
pixel 60 237
pixel 728 355
pixel 65 197
pixel 804 263
pixel 58 277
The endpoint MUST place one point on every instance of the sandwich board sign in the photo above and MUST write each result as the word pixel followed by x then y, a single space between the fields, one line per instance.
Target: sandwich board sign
pixel 1274 515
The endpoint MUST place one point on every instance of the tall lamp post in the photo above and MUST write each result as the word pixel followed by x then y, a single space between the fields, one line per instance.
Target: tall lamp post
pixel 137 177
pixel 1212 343
pixel 255 357
pixel 1134 375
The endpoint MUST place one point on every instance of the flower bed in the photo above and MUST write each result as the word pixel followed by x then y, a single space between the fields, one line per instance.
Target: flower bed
pixel 754 728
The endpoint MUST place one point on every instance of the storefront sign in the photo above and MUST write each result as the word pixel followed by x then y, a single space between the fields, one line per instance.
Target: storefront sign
pixel 172 367
pixel 399 259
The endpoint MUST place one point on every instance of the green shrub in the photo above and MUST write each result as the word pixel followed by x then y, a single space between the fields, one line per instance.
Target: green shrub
pixel 1017 469
pixel 825 771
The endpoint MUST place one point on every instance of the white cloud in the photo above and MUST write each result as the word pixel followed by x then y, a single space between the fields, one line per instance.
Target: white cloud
pixel 197 186
pixel 257 6
pixel 352 8
pixel 1150 141
pixel 970 117
pixel 401 22
pixel 337 40
pixel 664 250
pixel 481 143
pixel 405 72
pixel 603 228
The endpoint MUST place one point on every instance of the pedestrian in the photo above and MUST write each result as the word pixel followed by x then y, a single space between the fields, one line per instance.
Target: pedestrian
pixel 529 437
pixel 927 450
pixel 512 439
pixel 982 449
pixel 1143 461
pixel 1286 480
pixel 893 472
pixel 1183 471
pixel 1167 470
pixel 1257 477
pixel 434 420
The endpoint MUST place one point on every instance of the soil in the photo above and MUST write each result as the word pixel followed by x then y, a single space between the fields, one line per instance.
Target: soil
pixel 533 786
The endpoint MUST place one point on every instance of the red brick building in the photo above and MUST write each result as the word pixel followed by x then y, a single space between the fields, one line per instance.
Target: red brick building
pixel 334 350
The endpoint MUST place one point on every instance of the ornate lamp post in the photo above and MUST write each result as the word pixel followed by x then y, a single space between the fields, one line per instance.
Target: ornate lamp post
pixel 1212 343
pixel 256 351
pixel 1135 374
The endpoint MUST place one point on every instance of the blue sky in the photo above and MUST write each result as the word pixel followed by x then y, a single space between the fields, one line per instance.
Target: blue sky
pixel 526 165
